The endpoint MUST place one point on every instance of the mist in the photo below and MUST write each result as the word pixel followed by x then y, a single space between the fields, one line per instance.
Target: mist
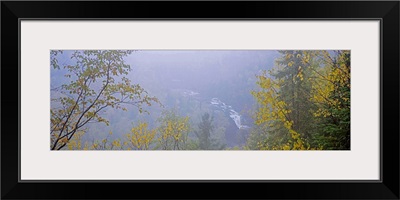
pixel 200 99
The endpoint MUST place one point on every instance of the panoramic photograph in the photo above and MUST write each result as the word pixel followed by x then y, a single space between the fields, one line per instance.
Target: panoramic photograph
pixel 199 100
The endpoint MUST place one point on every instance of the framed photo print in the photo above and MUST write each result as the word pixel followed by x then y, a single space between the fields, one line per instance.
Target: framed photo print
pixel 200 99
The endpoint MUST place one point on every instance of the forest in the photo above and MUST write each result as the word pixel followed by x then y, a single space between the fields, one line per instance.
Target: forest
pixel 200 100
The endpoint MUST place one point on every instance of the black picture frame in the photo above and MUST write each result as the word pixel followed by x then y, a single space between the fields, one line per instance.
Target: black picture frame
pixel 386 11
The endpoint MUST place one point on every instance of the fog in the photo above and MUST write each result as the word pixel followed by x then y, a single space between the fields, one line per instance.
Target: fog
pixel 219 81
pixel 192 82
pixel 200 100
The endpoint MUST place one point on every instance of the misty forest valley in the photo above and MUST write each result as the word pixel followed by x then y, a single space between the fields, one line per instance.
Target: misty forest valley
pixel 200 100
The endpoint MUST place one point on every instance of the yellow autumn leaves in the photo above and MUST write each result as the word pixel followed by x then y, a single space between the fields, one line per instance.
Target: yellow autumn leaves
pixel 275 110
pixel 94 88
pixel 171 135
pixel 140 137
pixel 303 85
pixel 328 82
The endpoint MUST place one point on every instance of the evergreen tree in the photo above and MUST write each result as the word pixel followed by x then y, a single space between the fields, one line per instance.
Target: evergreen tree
pixel 206 142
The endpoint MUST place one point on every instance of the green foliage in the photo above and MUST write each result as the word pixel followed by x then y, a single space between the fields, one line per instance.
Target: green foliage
pixel 304 103
pixel 204 133
pixel 206 142
pixel 333 116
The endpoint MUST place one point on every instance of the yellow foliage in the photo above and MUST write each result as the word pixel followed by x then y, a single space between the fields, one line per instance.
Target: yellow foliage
pixel 334 76
pixel 324 90
pixel 116 143
pixel 174 132
pixel 75 142
pixel 140 137
pixel 273 110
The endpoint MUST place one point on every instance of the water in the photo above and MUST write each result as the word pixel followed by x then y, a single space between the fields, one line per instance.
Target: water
pixel 235 116
pixel 237 130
